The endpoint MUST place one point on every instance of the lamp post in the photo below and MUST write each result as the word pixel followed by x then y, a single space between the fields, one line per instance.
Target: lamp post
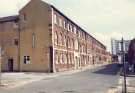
pixel 124 66
pixel 0 67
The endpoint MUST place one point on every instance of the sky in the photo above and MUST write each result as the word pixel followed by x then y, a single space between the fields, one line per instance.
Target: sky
pixel 103 19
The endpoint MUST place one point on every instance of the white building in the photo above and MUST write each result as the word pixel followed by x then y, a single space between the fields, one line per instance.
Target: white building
pixel 116 48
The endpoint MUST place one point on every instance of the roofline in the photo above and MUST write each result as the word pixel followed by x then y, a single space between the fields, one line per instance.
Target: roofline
pixel 76 24
pixel 3 19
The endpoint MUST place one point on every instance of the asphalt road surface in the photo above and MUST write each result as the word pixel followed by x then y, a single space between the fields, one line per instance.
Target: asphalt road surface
pixel 97 80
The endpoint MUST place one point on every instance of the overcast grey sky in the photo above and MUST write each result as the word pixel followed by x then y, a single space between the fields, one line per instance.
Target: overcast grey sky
pixel 104 19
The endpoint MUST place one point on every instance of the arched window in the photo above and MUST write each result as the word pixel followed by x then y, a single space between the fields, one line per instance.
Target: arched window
pixel 69 43
pixel 65 58
pixel 76 44
pixel 65 41
pixel 60 39
pixel 72 59
pixel 69 61
pixel 61 58
pixel 72 43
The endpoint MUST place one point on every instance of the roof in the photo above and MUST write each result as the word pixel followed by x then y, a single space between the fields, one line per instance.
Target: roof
pixel 76 25
pixel 9 18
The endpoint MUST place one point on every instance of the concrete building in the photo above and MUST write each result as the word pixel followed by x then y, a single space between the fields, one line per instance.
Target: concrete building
pixel 43 39
pixel 116 48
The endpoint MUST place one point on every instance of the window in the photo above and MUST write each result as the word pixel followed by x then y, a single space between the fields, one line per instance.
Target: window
pixel 26 59
pixel 33 40
pixel 72 43
pixel 24 17
pixel 60 22
pixel 65 59
pixel 65 27
pixel 55 19
pixel 79 33
pixel 74 30
pixel 64 24
pixel 71 28
pixel 16 42
pixel 69 44
pixel 68 27
pixel 72 58
pixel 69 61
pixel 61 58
pixel 65 41
pixel 76 44
pixel 55 38
pixel 60 39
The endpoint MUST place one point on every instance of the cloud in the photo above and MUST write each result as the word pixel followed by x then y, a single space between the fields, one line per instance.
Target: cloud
pixel 104 19
pixel 11 7
pixel 7 7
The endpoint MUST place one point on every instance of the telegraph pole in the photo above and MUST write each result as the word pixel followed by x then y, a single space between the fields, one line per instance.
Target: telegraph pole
pixel 124 66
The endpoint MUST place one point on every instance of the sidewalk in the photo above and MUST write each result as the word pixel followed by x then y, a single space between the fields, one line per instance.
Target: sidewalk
pixel 12 80
pixel 130 85
pixel 130 78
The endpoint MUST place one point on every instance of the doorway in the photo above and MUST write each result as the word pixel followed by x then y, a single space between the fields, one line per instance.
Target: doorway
pixel 10 64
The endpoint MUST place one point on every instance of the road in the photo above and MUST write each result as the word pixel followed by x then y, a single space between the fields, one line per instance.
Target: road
pixel 97 80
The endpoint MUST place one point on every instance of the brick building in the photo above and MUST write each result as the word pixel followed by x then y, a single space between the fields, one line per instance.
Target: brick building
pixel 41 38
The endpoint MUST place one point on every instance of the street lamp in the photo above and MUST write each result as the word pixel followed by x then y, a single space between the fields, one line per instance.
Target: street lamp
pixel 0 66
pixel 124 66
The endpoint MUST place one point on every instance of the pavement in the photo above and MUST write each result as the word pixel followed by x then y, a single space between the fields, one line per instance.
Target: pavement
pixel 95 80
pixel 13 80
pixel 130 82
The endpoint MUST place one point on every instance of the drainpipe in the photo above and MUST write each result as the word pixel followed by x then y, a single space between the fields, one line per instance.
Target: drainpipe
pixel 93 53
pixel 19 29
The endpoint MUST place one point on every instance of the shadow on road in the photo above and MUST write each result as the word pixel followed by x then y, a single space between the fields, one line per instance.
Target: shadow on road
pixel 111 69
pixel 128 72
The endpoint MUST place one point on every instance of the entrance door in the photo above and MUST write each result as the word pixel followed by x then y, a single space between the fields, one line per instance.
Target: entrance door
pixel 10 65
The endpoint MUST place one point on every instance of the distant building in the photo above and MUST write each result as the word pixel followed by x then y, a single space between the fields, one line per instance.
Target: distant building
pixel 116 48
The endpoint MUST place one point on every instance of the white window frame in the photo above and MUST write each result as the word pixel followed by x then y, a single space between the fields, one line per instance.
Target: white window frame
pixel 74 30
pixel 27 61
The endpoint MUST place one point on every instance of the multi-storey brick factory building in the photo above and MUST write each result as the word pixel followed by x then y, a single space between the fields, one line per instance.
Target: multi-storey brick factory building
pixel 41 38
